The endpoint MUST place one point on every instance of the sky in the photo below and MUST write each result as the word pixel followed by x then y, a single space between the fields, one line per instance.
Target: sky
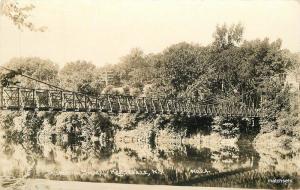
pixel 102 31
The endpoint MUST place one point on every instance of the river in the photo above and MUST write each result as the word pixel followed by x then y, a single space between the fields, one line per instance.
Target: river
pixel 165 157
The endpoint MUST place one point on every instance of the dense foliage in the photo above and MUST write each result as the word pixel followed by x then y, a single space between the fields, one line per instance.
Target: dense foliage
pixel 226 70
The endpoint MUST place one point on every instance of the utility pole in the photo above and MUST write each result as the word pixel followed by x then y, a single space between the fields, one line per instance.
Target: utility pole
pixel 107 77
pixel 298 92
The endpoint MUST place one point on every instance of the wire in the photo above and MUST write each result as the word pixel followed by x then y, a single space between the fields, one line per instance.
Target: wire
pixel 51 85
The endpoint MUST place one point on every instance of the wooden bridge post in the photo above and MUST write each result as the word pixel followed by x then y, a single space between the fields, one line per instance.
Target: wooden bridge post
pixel 49 100
pixel 153 105
pixel 188 107
pixel 145 103
pixel 177 106
pixel 206 109
pixel 61 100
pixel 128 104
pixel 228 110
pixel 34 103
pixel 100 105
pixel 1 97
pixel 96 107
pixel 85 104
pixel 174 105
pixel 18 98
pixel 213 110
pixel 224 109
pixel 138 105
pixel 185 107
pixel 120 106
pixel 197 108
pixel 161 106
pixel 110 104
pixel 180 107
pixel 73 101
pixel 193 108
pixel 168 107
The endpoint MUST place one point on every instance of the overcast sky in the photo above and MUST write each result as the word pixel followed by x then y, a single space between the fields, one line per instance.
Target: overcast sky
pixel 103 31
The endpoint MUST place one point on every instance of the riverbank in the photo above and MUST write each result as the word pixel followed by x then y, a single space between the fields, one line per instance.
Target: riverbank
pixel 278 144
pixel 42 184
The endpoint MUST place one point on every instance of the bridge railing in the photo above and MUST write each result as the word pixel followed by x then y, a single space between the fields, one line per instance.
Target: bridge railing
pixel 15 98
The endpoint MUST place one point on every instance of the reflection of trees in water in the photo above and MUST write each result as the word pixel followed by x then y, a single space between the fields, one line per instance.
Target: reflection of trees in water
pixel 65 160
pixel 27 149
pixel 244 178
pixel 82 149
pixel 247 152
pixel 84 126
pixel 18 159
pixel 176 163
pixel 178 159
pixel 225 156
pixel 15 163
pixel 85 153
pixel 20 148
pixel 277 157
pixel 228 158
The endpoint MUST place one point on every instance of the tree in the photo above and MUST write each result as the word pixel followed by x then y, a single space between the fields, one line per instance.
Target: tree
pixel 264 58
pixel 41 69
pixel 226 37
pixel 179 65
pixel 19 14
pixel 136 67
pixel 224 70
pixel 146 71
pixel 81 76
pixel 131 64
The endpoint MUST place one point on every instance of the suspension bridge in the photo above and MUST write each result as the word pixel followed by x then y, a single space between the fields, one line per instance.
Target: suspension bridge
pixel 16 98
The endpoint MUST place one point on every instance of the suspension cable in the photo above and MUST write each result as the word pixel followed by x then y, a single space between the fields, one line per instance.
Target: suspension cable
pixel 37 80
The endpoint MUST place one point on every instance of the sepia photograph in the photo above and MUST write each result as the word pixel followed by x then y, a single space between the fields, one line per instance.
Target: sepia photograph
pixel 149 94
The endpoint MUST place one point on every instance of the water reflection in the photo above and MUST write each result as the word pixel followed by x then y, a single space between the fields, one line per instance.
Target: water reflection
pixel 149 157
